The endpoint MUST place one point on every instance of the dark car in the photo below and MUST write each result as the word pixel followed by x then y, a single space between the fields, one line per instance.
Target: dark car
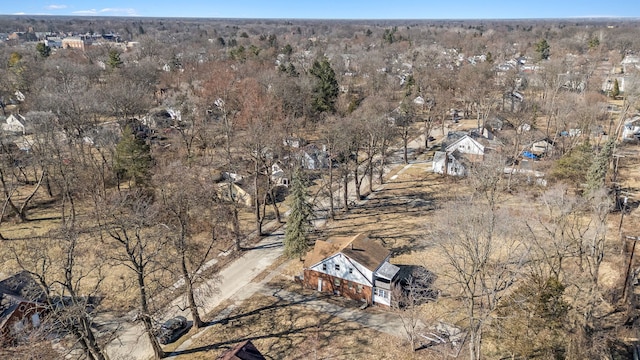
pixel 172 329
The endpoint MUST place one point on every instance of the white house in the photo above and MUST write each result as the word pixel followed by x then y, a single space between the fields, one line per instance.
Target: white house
pixel 15 123
pixel 449 163
pixel 355 267
pixel 541 147
pixel 278 176
pixel 313 158
pixel 631 129
pixel 468 146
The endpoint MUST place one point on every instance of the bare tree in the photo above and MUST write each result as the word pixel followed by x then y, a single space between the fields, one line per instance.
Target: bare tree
pixel 190 207
pixel 258 118
pixel 71 291
pixel 126 219
pixel 482 251
pixel 414 289
pixel 219 96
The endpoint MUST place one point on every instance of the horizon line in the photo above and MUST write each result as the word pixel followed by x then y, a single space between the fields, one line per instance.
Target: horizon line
pixel 582 17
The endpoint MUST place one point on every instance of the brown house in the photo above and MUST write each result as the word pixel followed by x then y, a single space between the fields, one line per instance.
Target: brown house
pixel 21 306
pixel 355 267
pixel 243 351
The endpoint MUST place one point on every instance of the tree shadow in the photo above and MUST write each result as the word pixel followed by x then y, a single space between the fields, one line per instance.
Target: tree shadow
pixel 280 303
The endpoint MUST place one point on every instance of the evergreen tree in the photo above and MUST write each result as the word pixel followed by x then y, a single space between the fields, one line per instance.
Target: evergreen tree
pixel 543 49
pixel 573 166
pixel 133 158
pixel 298 223
pixel 43 50
pixel 114 59
pixel 326 88
pixel 616 89
pixel 598 169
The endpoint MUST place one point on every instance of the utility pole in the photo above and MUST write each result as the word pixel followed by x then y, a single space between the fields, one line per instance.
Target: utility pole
pixel 626 278
pixel 622 211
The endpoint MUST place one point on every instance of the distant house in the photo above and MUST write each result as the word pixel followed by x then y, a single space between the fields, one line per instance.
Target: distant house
pixel 19 96
pixel 103 134
pixel 494 123
pixel 294 142
pixel 243 351
pixel 354 267
pixel 630 63
pixel 467 145
pixel 542 147
pixel 75 42
pixel 524 127
pixel 21 305
pixel 313 158
pixel 631 129
pixel 162 118
pixel 278 177
pixel 15 124
pixel 53 42
pixel 236 188
pixel 232 190
pixel 452 163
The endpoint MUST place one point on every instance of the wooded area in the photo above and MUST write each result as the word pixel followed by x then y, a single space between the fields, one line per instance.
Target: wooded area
pixel 128 164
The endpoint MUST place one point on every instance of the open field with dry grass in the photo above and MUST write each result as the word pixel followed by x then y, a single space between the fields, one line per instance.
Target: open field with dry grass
pixel 284 330
pixel 94 251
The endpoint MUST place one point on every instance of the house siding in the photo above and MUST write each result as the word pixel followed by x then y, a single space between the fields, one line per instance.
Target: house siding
pixel 454 168
pixel 360 274
pixel 468 146
pixel 22 314
pixel 346 288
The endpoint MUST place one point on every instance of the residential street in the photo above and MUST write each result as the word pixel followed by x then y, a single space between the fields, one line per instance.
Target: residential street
pixel 233 282
pixel 131 345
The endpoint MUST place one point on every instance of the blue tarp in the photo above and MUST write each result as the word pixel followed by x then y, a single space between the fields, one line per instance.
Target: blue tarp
pixel 529 155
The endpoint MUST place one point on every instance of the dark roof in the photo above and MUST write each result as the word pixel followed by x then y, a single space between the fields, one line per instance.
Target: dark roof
pixel 15 290
pixel 21 285
pixel 452 137
pixel 243 351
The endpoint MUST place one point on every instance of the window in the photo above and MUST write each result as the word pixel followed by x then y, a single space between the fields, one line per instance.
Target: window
pixel 350 284
pixel 336 282
pixel 359 288
pixel 381 293
pixel 324 267
pixel 337 267
pixel 350 270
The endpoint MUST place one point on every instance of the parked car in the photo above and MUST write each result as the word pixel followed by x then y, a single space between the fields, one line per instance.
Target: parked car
pixel 172 329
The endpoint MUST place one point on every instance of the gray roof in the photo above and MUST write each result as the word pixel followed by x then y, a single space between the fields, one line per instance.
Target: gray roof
pixel 387 271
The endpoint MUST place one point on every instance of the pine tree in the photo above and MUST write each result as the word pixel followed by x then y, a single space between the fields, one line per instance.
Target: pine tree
pixel 43 50
pixel 133 158
pixel 326 89
pixel 543 49
pixel 616 89
pixel 298 223
pixel 114 59
pixel 598 169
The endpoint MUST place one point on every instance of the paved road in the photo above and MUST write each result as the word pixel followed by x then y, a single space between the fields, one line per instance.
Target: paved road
pixel 233 280
pixel 131 345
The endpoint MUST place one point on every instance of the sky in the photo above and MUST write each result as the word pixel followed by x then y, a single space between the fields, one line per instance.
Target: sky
pixel 330 9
